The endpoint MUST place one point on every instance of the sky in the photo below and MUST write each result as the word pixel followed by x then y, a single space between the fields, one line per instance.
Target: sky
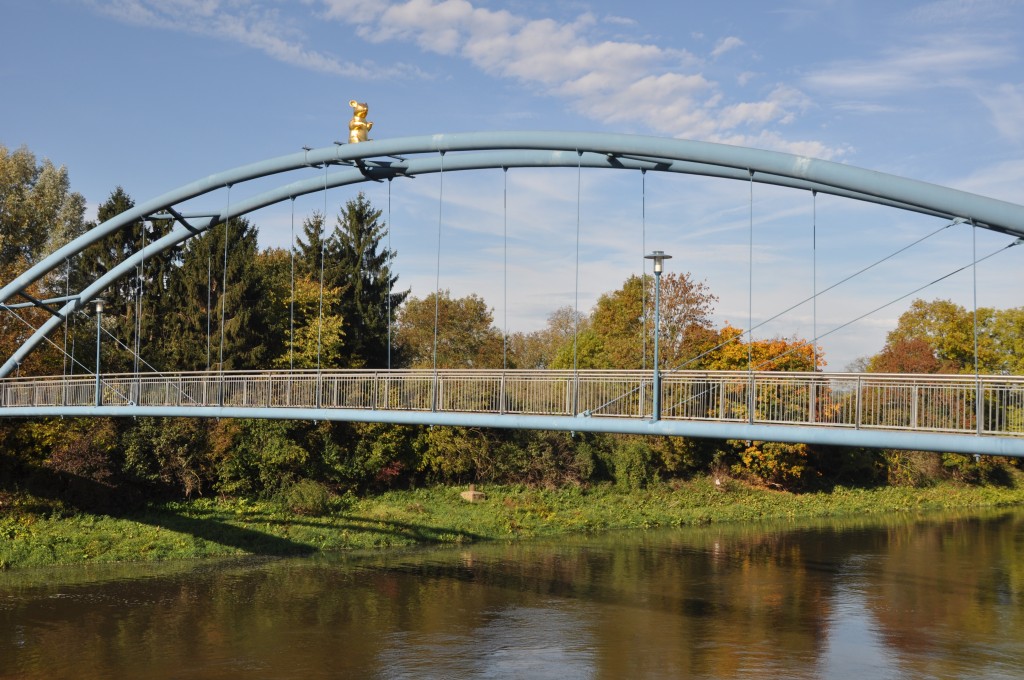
pixel 152 95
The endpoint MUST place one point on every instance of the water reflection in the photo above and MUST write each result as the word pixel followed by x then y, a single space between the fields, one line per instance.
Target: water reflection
pixel 938 597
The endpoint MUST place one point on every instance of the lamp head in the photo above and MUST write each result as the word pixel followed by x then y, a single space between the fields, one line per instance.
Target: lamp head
pixel 659 258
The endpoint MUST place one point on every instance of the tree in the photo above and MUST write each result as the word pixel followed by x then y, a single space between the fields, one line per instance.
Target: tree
pixel 946 330
pixel 772 354
pixel 620 335
pixel 198 299
pixel 38 213
pixel 38 210
pixel 540 348
pixel 368 297
pixel 906 355
pixel 133 302
pixel 466 337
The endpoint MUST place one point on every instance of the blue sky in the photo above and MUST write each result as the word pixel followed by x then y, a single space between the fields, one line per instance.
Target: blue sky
pixel 152 95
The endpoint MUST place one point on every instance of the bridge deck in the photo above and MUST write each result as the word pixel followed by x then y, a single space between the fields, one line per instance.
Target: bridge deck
pixel 911 403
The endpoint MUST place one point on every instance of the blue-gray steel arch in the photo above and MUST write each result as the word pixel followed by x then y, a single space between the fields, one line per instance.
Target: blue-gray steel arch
pixel 392 158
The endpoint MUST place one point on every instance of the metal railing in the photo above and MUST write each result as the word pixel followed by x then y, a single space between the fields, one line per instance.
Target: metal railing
pixel 927 403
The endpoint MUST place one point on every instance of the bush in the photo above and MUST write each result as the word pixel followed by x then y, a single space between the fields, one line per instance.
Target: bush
pixel 307 497
pixel 633 463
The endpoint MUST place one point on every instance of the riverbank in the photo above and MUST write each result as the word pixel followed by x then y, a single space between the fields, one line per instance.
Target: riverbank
pixel 223 527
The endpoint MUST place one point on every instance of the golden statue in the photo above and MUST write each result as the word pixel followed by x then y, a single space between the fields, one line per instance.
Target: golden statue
pixel 358 127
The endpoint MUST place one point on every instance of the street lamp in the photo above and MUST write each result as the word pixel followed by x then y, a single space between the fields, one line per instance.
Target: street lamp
pixel 99 329
pixel 659 258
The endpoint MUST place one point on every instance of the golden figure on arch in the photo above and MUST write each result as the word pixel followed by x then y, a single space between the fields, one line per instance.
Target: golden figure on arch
pixel 358 127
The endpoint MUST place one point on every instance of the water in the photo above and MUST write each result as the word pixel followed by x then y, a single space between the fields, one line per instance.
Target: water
pixel 939 597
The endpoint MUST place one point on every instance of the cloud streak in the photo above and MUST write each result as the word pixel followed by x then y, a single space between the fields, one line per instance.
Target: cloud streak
pixel 247 23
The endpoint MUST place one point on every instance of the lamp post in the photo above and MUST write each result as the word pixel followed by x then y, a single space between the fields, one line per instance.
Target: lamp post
pixel 99 329
pixel 659 258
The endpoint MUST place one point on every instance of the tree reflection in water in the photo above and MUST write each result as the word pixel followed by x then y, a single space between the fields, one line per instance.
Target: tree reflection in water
pixel 935 597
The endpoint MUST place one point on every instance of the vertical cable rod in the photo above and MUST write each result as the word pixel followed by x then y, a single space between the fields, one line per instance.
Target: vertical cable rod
pixel 504 334
pixel 224 294
pixel 437 281
pixel 750 306
pixel 323 256
pixel 643 264
pixel 390 272
pixel 138 305
pixel 291 301
pixel 814 278
pixel 209 302
pixel 576 304
pixel 978 403
pixel 67 294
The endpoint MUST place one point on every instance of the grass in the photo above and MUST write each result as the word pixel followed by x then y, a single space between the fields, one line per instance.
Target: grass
pixel 224 527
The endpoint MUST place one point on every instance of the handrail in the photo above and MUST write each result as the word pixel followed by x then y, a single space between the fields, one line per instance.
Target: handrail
pixel 913 403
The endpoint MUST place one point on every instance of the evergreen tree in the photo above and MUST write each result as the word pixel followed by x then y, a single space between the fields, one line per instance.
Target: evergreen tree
pixel 362 272
pixel 198 299
pixel 133 302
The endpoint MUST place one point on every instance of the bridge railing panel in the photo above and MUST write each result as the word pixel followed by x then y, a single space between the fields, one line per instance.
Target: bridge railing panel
pixel 534 393
pixel 934 403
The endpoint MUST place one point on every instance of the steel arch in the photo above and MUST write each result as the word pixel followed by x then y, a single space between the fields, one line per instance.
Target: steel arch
pixel 391 158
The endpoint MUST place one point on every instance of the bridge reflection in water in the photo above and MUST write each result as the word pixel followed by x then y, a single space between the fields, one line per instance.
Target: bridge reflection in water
pixel 938 404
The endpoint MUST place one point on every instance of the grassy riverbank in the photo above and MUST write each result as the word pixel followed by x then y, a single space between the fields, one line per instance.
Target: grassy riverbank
pixel 30 536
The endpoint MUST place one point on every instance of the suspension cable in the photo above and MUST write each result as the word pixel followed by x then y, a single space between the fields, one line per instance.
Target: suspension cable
pixel 974 263
pixel 576 306
pixel 138 302
pixel 390 277
pixel 703 354
pixel 437 281
pixel 814 274
pixel 224 287
pixel 291 302
pixel 209 301
pixel 978 405
pixel 67 294
pixel 643 265
pixel 750 305
pixel 504 334
pixel 323 257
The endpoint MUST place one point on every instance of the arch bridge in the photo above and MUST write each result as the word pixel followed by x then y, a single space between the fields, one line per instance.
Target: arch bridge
pixel 972 414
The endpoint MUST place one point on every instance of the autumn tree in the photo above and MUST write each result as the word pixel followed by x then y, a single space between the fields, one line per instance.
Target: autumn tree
pixel 618 334
pixel 946 331
pixel 731 353
pixel 38 210
pixel 38 214
pixel 466 336
pixel 540 348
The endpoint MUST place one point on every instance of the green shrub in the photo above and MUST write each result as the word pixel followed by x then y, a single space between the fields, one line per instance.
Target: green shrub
pixel 633 463
pixel 307 497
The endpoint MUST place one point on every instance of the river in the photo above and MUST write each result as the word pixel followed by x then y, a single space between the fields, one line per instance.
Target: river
pixel 899 597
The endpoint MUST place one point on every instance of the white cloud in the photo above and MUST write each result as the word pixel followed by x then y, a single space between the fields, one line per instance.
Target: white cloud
pixel 937 62
pixel 612 81
pixel 636 85
pixel 1006 104
pixel 725 44
pixel 959 11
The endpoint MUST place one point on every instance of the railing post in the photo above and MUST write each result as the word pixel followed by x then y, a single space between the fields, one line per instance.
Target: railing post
pixel 501 394
pixel 859 395
pixel 812 407
pixel 979 405
pixel 914 395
